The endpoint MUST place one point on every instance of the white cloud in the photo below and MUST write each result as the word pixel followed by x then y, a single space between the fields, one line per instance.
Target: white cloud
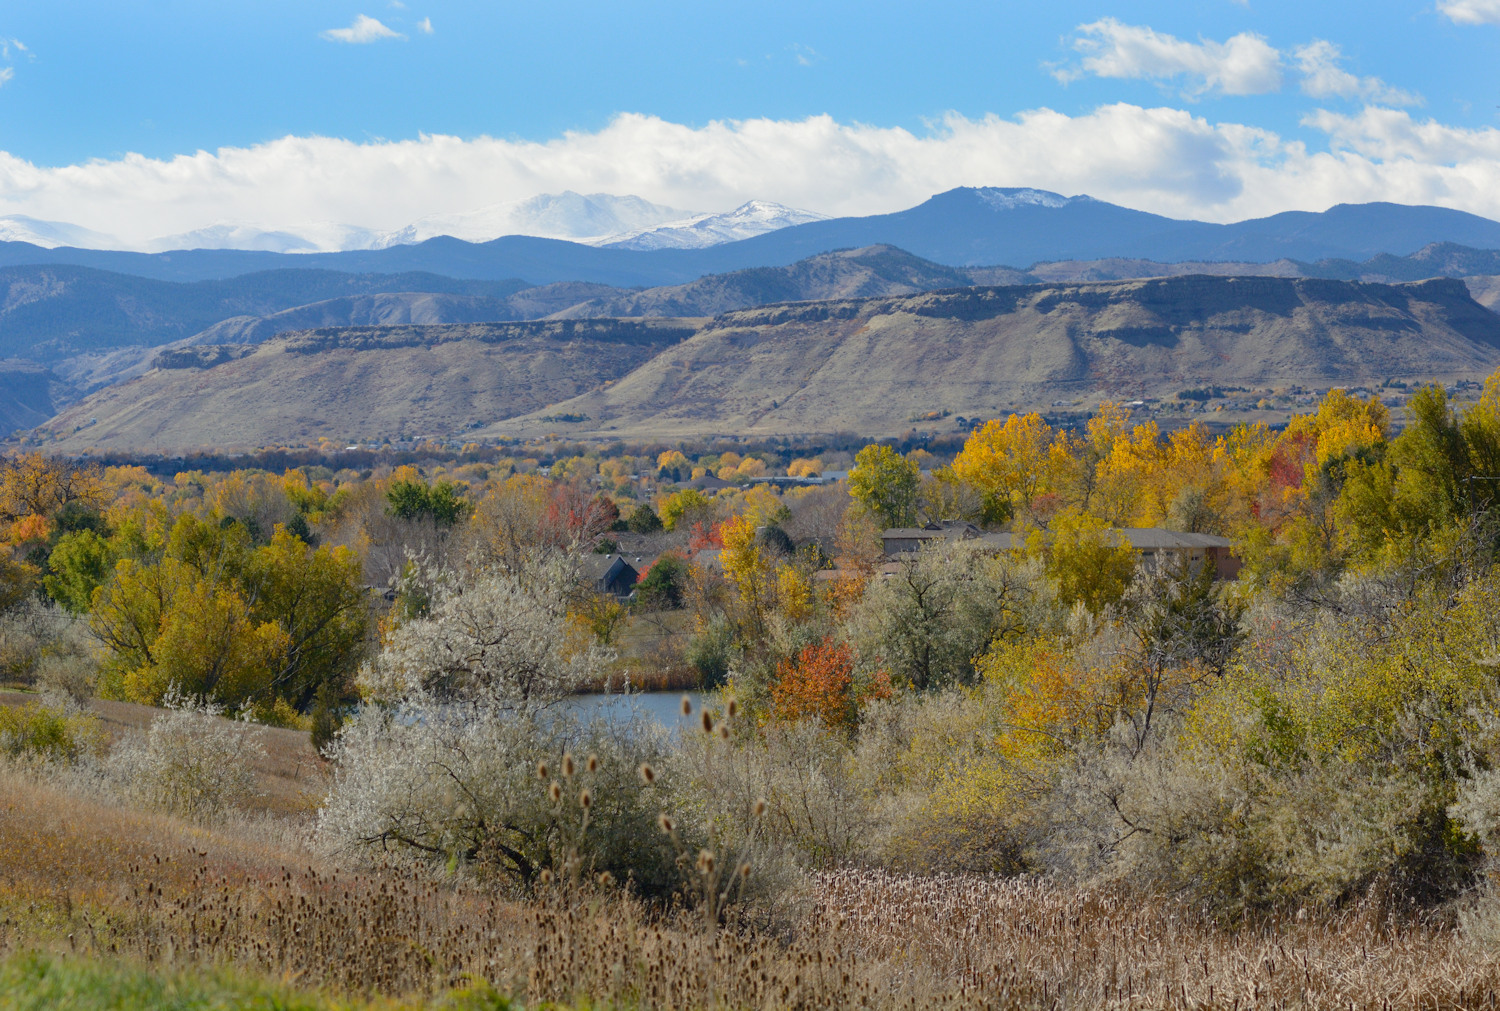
pixel 1245 64
pixel 1322 77
pixel 6 74
pixel 1165 160
pixel 361 30
pixel 425 26
pixel 1471 12
pixel 805 56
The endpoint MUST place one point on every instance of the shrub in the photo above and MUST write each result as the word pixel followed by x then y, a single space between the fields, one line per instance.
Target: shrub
pixel 51 729
pixel 495 636
pixel 191 761
pixel 711 650
pixel 471 784
pixel 326 718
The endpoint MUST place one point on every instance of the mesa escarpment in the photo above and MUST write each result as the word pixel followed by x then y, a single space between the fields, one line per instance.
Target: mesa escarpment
pixel 360 382
pixel 860 364
pixel 869 365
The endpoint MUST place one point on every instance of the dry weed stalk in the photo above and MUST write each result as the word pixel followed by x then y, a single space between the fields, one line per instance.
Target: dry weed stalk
pixel 84 873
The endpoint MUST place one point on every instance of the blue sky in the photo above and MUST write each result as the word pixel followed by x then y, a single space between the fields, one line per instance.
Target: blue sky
pixel 854 107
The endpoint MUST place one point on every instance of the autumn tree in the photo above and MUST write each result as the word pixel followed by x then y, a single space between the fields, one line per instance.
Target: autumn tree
pixel 1091 563
pixel 885 484
pixel 1009 463
pixel 819 683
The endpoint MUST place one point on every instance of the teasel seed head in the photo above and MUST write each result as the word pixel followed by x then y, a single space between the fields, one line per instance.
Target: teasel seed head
pixel 724 731
pixel 705 862
pixel 745 869
pixel 760 808
pixel 592 764
pixel 555 791
pixel 667 824
pixel 605 879
pixel 585 799
pixel 687 706
pixel 648 774
pixel 546 876
pixel 567 766
pixel 732 709
pixel 708 722
pixel 541 770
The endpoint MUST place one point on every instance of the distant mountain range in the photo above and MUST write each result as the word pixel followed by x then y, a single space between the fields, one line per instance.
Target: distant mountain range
pixel 965 227
pixel 599 219
pixel 55 313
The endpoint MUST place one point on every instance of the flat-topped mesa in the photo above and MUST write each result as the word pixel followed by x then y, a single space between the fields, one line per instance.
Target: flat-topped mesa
pixel 869 365
pixel 656 331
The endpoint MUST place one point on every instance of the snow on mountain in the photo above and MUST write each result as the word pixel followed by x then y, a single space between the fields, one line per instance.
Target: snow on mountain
pixel 566 215
pixel 313 237
pixel 51 234
pixel 599 219
pixel 1005 199
pixel 749 219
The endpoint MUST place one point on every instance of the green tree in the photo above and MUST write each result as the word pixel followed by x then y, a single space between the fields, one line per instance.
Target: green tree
pixel 662 583
pixel 685 505
pixel 315 596
pixel 643 520
pixel 886 483
pixel 413 500
pixel 80 562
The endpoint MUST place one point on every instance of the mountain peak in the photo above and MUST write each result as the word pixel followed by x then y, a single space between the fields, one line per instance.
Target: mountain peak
pixel 753 217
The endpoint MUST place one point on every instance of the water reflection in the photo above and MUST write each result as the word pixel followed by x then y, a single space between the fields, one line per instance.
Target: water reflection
pixel 664 708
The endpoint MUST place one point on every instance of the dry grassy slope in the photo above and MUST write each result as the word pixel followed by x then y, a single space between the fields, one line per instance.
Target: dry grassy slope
pixel 870 365
pixel 1485 290
pixel 362 383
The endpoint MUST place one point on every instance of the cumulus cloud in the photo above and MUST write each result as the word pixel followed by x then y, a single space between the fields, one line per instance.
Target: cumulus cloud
pixel 1165 160
pixel 1323 77
pixel 6 74
pixel 1471 12
pixel 361 30
pixel 1245 64
pixel 425 26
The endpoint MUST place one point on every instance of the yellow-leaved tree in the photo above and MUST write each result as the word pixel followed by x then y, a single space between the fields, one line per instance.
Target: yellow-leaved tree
pixel 1010 464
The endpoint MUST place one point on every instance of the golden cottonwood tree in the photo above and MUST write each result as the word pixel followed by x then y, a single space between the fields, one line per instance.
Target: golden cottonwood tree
pixel 1010 463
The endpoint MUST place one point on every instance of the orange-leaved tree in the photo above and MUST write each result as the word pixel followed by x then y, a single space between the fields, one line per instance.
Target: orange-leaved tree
pixel 819 682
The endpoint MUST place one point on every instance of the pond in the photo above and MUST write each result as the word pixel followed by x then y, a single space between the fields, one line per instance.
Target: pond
pixel 664 708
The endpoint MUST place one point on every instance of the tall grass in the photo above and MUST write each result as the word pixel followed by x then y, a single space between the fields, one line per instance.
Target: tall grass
pixel 84 874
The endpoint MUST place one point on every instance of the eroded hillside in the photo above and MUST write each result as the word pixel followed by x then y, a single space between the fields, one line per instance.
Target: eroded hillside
pixel 873 365
pixel 359 383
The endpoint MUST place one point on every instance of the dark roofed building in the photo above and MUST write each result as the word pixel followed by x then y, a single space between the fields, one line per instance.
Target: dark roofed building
pixel 610 574
pixel 898 540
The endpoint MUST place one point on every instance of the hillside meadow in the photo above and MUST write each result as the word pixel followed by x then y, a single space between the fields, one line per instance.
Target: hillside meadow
pixel 304 739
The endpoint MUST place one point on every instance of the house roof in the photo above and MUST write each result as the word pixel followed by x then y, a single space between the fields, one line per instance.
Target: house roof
pixel 1156 539
pixel 602 566
pixel 1140 538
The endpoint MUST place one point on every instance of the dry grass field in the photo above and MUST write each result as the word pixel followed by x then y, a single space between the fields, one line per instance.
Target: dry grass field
pixel 87 876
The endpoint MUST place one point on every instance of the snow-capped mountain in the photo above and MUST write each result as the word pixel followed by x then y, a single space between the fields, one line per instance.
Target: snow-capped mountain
pixel 747 220
pixel 1001 198
pixel 568 215
pixel 598 219
pixel 51 234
